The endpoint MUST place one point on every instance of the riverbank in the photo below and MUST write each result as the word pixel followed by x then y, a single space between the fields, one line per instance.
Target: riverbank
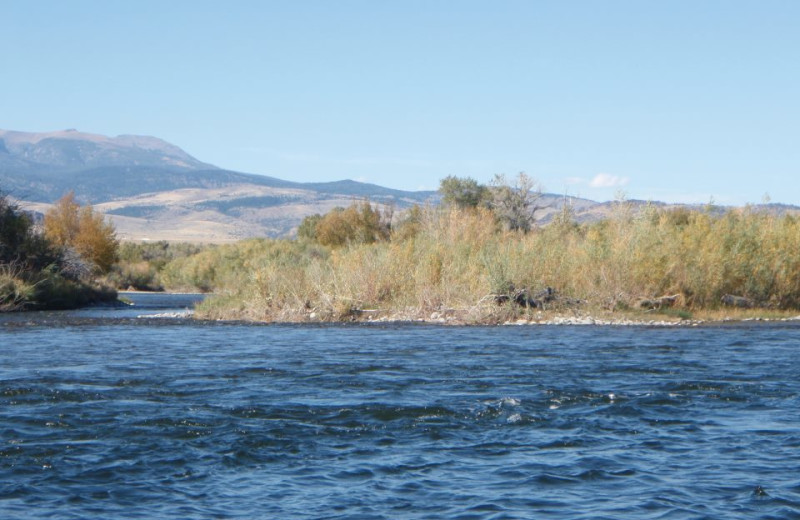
pixel 48 291
pixel 57 265
pixel 488 315
pixel 167 305
pixel 654 266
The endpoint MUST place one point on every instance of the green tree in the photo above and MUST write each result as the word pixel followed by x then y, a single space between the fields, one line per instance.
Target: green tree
pixel 19 242
pixel 463 192
pixel 15 229
pixel 308 228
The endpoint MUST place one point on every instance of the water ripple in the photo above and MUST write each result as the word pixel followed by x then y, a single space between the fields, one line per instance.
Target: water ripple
pixel 132 419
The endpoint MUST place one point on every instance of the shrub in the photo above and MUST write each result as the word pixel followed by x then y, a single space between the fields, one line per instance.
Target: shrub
pixel 36 274
pixel 357 224
pixel 15 292
pixel 140 264
pixel 68 225
pixel 455 259
pixel 308 228
pixel 140 276
pixel 464 193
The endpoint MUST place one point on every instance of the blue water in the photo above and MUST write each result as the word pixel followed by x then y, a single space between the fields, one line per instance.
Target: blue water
pixel 122 417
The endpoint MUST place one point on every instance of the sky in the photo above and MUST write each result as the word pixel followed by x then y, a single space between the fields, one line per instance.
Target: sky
pixel 679 101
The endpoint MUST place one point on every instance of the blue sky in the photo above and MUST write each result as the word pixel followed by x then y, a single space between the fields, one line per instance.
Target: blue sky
pixel 669 100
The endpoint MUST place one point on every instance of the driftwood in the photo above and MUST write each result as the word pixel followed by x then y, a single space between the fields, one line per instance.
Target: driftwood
pixel 737 301
pixel 524 298
pixel 659 303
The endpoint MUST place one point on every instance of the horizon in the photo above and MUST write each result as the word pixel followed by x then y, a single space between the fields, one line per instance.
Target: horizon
pixel 619 196
pixel 680 103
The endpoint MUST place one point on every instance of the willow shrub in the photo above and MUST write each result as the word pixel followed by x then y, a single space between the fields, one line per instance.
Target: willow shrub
pixel 458 258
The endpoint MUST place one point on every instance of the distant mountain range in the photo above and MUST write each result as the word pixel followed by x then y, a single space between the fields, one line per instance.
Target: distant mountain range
pixel 42 166
pixel 153 190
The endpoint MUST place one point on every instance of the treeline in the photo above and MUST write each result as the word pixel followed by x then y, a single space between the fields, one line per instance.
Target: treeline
pixel 57 265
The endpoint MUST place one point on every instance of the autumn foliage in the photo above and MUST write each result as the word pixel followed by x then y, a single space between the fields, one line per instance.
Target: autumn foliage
pixel 72 226
pixel 37 273
pixel 358 224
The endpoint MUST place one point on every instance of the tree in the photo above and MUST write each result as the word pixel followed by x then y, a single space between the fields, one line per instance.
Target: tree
pixel 70 226
pixel 463 192
pixel 516 204
pixel 359 223
pixel 307 230
pixel 61 221
pixel 96 240
pixel 15 229
pixel 20 243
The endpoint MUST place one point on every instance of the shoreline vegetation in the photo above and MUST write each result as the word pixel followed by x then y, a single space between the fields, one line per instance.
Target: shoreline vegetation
pixel 483 257
pixel 475 260
pixel 456 266
pixel 54 266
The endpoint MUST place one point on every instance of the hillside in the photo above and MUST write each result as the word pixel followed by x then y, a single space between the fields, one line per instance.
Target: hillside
pixel 153 190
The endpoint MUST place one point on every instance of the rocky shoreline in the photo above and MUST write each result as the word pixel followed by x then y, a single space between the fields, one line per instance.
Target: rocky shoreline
pixel 488 313
pixel 436 319
pixel 454 319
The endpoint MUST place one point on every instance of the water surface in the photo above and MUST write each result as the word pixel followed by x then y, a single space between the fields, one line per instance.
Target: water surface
pixel 125 417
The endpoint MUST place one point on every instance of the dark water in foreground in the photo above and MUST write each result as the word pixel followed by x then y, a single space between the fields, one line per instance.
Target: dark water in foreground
pixel 148 418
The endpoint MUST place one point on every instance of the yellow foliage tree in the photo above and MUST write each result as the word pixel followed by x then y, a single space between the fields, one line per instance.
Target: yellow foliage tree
pixel 61 221
pixel 69 225
pixel 358 224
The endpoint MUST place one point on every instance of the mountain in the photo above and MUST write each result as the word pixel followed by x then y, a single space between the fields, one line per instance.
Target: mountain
pixel 70 150
pixel 153 189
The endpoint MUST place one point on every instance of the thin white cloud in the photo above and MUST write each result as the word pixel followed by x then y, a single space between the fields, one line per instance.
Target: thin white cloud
pixel 604 180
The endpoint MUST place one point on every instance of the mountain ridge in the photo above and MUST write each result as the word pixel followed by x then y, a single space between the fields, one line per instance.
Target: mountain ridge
pixel 152 189
pixel 70 150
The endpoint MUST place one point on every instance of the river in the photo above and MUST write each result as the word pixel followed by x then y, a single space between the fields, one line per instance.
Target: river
pixel 125 413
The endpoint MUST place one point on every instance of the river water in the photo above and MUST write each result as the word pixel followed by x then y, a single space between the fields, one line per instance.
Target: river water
pixel 105 414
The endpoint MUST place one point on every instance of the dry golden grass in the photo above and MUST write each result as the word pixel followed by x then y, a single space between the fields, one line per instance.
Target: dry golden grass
pixel 454 261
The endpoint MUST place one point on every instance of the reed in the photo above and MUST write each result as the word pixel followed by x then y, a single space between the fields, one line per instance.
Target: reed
pixel 455 260
pixel 15 291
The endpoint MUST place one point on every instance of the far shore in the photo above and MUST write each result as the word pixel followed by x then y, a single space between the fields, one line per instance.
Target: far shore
pixel 452 317
pixel 490 315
